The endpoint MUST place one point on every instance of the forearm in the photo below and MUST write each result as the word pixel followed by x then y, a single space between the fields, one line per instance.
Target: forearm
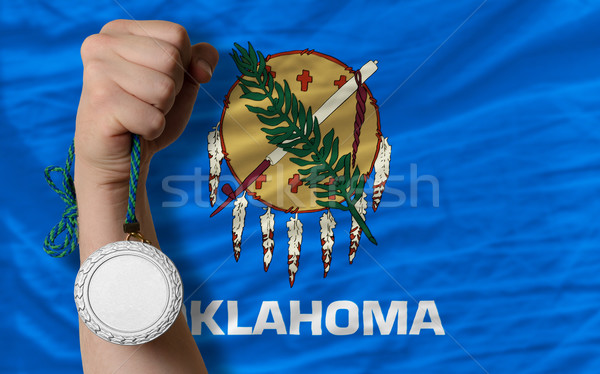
pixel 101 210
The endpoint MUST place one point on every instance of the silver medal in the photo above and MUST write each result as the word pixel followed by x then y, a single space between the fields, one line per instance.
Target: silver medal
pixel 128 292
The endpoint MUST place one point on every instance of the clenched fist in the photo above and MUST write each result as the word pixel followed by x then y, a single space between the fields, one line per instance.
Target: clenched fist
pixel 139 77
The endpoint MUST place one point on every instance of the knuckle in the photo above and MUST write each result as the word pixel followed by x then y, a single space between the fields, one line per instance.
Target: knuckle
pixel 166 89
pixel 92 69
pixel 100 95
pixel 114 25
pixel 179 35
pixel 172 58
pixel 93 45
pixel 155 123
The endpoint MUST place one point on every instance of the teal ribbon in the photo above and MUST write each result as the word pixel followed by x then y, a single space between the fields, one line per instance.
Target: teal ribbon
pixel 68 221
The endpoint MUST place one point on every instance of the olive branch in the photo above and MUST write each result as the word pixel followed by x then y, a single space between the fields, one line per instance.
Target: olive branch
pixel 293 128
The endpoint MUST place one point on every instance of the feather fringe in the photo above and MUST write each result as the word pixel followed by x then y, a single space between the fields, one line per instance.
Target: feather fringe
pixel 215 157
pixel 239 217
pixel 355 230
pixel 327 224
pixel 295 234
pixel 267 226
pixel 382 171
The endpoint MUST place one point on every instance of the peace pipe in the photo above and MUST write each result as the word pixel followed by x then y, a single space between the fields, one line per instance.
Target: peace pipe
pixel 330 105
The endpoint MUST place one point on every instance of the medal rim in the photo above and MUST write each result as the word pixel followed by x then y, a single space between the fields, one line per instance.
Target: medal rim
pixel 149 253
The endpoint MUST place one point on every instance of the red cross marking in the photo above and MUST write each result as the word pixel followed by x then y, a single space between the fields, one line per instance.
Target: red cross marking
pixel 331 193
pixel 340 82
pixel 295 182
pixel 259 181
pixel 273 74
pixel 305 78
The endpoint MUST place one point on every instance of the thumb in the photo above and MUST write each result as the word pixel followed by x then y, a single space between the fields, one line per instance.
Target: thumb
pixel 204 59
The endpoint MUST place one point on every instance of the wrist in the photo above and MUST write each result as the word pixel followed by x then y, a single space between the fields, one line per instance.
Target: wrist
pixel 109 176
pixel 102 206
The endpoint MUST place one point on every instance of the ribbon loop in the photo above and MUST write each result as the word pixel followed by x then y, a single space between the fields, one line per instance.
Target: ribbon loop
pixel 68 221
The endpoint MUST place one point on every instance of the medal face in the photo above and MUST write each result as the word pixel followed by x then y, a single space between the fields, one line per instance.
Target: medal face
pixel 128 292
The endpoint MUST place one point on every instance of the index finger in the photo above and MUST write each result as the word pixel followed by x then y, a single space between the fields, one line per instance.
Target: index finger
pixel 169 32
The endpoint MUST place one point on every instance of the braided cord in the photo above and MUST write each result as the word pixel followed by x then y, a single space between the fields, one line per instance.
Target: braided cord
pixel 134 175
pixel 361 98
pixel 68 222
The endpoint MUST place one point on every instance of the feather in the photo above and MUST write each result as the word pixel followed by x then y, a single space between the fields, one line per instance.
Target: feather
pixel 295 234
pixel 355 230
pixel 267 226
pixel 327 225
pixel 215 157
pixel 382 171
pixel 239 216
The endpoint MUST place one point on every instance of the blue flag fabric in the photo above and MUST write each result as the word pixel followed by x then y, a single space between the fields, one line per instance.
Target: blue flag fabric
pixel 488 257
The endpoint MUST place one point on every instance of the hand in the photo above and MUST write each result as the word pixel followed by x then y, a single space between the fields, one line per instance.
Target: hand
pixel 139 77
